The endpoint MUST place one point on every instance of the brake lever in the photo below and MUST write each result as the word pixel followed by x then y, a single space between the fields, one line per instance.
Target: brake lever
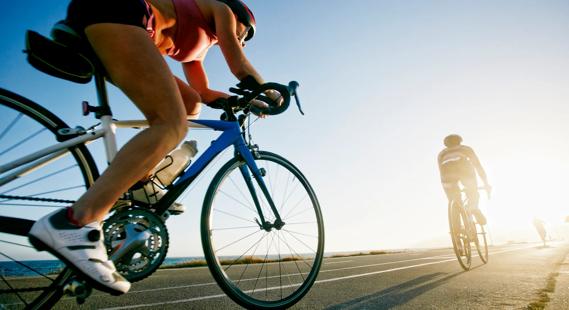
pixel 292 86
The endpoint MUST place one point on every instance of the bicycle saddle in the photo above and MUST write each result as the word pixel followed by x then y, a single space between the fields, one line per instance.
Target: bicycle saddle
pixel 67 56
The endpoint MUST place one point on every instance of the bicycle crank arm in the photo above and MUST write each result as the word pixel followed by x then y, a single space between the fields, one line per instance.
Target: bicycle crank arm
pixel 134 239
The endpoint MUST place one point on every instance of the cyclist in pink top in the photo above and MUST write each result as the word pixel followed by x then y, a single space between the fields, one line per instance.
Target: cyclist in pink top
pixel 130 37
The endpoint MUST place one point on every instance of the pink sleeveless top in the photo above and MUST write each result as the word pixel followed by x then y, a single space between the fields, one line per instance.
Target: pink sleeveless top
pixel 193 35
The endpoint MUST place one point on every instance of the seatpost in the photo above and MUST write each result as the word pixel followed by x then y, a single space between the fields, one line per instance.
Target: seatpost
pixel 102 96
pixel 105 114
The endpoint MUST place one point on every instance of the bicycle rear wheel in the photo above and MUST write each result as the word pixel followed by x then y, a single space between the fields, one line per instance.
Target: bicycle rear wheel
pixel 29 278
pixel 481 243
pixel 257 268
pixel 458 223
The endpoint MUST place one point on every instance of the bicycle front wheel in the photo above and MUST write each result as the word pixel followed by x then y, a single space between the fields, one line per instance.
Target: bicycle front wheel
pixel 257 268
pixel 458 223
pixel 482 243
pixel 28 278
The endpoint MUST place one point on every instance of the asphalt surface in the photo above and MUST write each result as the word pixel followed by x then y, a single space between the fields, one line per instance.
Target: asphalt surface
pixel 517 276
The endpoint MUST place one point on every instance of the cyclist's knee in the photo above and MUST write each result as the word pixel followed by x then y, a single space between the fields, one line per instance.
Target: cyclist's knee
pixel 192 101
pixel 172 129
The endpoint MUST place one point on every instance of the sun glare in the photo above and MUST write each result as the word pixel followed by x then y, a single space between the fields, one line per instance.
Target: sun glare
pixel 527 187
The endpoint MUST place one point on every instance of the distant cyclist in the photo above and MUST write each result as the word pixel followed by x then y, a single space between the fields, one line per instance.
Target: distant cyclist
pixel 458 165
pixel 129 37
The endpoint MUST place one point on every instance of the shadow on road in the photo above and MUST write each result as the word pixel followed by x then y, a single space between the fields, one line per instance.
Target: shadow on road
pixel 399 294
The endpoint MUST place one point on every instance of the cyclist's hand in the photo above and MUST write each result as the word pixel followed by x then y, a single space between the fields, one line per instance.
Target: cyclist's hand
pixel 275 96
pixel 259 104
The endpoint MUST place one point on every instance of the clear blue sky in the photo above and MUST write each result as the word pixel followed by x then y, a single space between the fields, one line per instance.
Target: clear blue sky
pixel 382 82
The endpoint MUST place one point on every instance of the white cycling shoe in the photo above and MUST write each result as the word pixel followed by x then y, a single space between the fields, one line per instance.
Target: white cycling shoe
pixel 81 248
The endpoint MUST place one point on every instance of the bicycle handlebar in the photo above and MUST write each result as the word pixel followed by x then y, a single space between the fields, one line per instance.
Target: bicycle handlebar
pixel 249 90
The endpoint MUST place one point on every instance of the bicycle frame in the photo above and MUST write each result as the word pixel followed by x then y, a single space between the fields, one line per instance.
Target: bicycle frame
pixel 231 135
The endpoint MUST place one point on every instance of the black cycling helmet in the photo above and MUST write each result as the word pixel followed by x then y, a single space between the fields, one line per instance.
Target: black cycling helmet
pixel 244 15
pixel 452 140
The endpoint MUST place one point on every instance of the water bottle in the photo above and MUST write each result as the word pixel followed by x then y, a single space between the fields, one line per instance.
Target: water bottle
pixel 166 172
pixel 174 163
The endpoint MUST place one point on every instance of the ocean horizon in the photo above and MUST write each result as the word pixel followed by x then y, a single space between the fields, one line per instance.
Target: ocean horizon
pixel 14 269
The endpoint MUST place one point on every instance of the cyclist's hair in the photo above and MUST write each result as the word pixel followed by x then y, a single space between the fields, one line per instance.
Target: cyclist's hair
pixel 452 140
pixel 243 14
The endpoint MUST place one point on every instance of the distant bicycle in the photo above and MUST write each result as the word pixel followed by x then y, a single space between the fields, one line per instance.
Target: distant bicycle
pixel 261 225
pixel 465 230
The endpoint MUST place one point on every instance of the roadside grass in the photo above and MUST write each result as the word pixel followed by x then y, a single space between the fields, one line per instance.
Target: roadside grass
pixel 543 294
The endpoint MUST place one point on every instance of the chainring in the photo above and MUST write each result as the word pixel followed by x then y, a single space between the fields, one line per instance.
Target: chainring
pixel 143 260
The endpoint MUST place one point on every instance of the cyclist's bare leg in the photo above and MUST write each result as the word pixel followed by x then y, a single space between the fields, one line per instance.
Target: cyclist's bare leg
pixel 452 190
pixel 191 98
pixel 137 68
pixel 471 191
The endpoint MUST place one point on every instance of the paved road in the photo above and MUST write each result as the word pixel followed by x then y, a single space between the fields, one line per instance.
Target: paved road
pixel 517 276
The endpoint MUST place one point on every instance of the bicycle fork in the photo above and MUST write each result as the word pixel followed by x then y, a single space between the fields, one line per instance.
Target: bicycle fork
pixel 258 174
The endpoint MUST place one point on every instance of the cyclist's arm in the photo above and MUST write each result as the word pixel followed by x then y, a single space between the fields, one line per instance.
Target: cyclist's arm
pixel 439 160
pixel 477 165
pixel 225 28
pixel 196 75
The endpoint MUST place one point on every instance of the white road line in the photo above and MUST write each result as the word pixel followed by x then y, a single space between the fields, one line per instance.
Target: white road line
pixel 316 282
pixel 344 261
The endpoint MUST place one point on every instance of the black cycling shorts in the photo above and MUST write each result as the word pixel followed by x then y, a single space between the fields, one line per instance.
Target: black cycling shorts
pixel 83 13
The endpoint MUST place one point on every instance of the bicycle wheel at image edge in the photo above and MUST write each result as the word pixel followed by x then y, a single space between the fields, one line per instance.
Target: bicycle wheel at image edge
pixel 482 243
pixel 460 240
pixel 257 268
pixel 29 278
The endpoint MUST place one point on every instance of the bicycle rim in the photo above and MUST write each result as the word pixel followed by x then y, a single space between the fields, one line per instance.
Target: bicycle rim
pixel 482 244
pixel 31 279
pixel 256 268
pixel 459 235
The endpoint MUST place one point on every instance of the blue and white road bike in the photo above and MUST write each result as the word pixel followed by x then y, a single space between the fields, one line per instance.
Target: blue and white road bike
pixel 261 226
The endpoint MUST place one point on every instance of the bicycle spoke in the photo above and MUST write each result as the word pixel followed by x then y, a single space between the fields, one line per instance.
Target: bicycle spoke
pixel 294 260
pixel 22 141
pixel 239 202
pixel 299 223
pixel 239 240
pixel 302 234
pixel 247 265
pixel 12 124
pixel 18 244
pixel 306 245
pixel 235 216
pixel 298 214
pixel 26 266
pixel 12 290
pixel 263 265
pixel 39 179
pixel 235 228
pixel 241 192
pixel 236 260
pixel 294 208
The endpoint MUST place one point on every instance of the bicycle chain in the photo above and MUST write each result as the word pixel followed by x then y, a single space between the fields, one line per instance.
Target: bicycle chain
pixel 35 199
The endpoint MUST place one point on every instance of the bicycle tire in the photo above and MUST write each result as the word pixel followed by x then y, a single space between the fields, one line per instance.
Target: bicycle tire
pixel 482 249
pixel 279 262
pixel 459 236
pixel 23 115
